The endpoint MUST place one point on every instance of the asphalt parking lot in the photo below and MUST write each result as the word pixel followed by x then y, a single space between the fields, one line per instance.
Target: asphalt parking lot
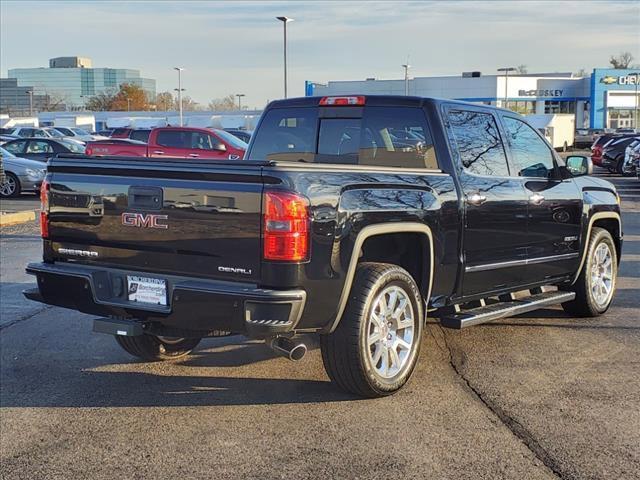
pixel 541 395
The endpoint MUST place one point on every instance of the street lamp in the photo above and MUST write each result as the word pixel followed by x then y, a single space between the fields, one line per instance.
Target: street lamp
pixel 406 67
pixel 30 93
pixel 128 104
pixel 506 71
pixel 240 95
pixel 180 90
pixel 284 21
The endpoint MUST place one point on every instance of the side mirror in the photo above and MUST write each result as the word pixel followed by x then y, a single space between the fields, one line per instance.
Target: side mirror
pixel 579 165
pixel 221 147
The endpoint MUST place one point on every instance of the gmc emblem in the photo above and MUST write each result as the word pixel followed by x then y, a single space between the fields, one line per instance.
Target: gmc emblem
pixel 141 220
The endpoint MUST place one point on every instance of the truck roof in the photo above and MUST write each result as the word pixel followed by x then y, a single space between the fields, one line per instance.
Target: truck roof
pixel 378 101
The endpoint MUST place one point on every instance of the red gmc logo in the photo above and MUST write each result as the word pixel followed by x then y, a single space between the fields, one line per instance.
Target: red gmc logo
pixel 141 220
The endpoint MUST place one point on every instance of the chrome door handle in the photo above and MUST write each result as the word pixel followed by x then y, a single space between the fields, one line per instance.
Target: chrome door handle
pixel 158 152
pixel 476 199
pixel 194 155
pixel 536 199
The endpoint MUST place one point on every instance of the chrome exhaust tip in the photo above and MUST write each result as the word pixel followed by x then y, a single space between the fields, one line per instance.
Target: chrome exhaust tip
pixel 288 348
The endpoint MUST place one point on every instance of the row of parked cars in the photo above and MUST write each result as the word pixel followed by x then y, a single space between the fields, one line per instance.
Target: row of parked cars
pixel 618 152
pixel 25 150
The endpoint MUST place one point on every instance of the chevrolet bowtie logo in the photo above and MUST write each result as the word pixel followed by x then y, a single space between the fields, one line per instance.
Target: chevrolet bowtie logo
pixel 608 80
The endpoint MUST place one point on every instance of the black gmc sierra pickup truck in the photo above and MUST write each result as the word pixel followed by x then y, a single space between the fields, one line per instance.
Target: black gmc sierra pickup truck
pixel 350 217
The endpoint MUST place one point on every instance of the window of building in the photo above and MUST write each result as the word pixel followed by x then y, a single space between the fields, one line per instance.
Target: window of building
pixel 559 107
pixel 531 155
pixel 478 143
pixel 523 107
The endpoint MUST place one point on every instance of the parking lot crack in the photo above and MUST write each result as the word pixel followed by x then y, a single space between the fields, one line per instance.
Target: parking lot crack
pixel 457 362
pixel 24 318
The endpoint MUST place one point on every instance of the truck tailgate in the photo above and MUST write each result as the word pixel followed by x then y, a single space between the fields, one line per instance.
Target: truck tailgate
pixel 181 218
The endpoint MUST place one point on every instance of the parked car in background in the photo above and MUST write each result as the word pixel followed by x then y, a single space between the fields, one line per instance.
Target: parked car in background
pixel 613 153
pixel 241 134
pixel 80 134
pixel 104 133
pixel 175 142
pixel 585 137
pixel 7 138
pixel 631 156
pixel 42 148
pixel 20 174
pixel 29 132
pixel 55 133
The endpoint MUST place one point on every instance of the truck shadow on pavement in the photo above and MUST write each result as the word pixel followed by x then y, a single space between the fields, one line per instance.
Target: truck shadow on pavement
pixel 114 382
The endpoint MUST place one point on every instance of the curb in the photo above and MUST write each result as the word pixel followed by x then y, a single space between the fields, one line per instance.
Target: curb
pixel 17 217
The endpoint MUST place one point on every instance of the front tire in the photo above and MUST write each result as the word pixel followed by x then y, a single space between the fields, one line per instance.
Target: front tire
pixel 152 348
pixel 596 283
pixel 374 349
pixel 10 187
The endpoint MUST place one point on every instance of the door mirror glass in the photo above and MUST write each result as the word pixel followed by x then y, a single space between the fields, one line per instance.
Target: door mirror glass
pixel 579 165
pixel 221 147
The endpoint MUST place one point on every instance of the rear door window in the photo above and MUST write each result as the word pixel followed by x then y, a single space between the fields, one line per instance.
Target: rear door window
pixel 140 135
pixel 174 139
pixel 39 147
pixel 478 143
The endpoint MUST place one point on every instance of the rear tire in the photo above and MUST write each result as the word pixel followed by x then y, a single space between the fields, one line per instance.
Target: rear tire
pixel 374 349
pixel 596 283
pixel 152 348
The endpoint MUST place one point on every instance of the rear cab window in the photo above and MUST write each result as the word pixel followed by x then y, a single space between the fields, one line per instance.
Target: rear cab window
pixel 382 136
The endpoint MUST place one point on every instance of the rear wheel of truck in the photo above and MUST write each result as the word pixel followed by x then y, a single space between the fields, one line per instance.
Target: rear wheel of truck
pixel 153 348
pixel 375 347
pixel 596 283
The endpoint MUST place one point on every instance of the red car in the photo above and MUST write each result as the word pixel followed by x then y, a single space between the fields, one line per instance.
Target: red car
pixel 175 142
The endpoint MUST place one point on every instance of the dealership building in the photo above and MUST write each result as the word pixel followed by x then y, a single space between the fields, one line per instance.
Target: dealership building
pixel 608 98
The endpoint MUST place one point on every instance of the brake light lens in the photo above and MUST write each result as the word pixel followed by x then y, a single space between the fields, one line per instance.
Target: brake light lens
pixel 88 150
pixel 336 101
pixel 286 227
pixel 44 208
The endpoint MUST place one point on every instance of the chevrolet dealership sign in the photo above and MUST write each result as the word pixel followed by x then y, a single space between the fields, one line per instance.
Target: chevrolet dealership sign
pixel 630 79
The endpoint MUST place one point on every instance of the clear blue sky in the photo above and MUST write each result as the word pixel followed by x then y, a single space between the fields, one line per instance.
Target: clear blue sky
pixel 236 47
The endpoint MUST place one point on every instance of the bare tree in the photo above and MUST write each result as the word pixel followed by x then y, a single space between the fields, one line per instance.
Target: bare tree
pixel 522 69
pixel 165 101
pixel 223 104
pixel 53 102
pixel 621 61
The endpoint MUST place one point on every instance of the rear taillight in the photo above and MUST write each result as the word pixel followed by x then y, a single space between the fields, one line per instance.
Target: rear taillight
pixel 88 150
pixel 44 209
pixel 286 227
pixel 336 101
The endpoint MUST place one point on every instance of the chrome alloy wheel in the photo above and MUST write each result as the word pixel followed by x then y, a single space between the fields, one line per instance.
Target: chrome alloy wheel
pixel 390 331
pixel 8 187
pixel 602 275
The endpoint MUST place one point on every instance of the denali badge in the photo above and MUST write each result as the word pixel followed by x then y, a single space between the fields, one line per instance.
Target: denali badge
pixel 142 220
pixel 243 271
pixel 77 253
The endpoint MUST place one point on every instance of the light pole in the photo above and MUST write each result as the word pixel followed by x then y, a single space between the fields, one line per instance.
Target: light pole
pixel 128 104
pixel 635 108
pixel 284 21
pixel 406 67
pixel 506 71
pixel 179 89
pixel 30 93
pixel 240 95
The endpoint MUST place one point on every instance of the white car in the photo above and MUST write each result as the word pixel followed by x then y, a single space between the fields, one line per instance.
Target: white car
pixel 81 134
pixel 31 132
